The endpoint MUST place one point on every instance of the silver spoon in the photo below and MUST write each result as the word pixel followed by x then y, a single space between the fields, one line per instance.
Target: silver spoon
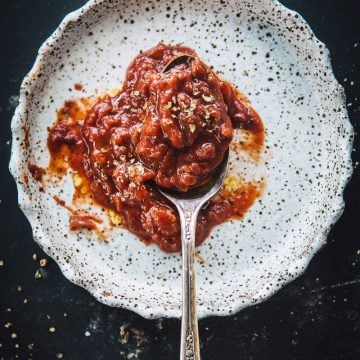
pixel 178 60
pixel 188 205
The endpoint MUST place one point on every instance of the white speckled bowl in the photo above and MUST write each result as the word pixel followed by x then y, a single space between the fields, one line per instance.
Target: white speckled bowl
pixel 271 54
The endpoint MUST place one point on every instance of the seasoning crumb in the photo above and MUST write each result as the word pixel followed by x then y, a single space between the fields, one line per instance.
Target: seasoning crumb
pixel 65 314
pixel 87 333
pixel 38 275
pixel 77 180
pixel 207 98
pixel 2 263
pixel 59 356
pixel 7 325
pixel 115 218
pixel 232 183
pixel 52 329
pixel 34 257
pixel 25 301
pixel 14 336
pixel 192 128
pixel 124 334
pixel 133 355
pixel 30 346
pixel 160 324
pixel 19 288
pixel 43 262
pixel 192 106
pixel 358 252
pixel 8 310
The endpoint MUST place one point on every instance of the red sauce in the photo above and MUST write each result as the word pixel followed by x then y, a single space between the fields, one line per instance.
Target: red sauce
pixel 78 86
pixel 78 220
pixel 166 128
pixel 84 221
pixel 26 136
pixel 26 179
pixel 36 171
pixel 63 204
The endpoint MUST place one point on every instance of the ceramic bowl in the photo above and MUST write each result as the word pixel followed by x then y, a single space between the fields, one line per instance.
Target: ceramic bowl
pixel 272 55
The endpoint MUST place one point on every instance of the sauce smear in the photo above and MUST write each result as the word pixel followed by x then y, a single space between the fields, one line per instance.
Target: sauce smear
pixel 162 129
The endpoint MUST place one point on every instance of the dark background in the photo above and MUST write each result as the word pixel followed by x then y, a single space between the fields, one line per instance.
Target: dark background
pixel 316 317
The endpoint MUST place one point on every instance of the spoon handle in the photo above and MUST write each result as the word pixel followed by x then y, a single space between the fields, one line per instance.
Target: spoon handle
pixel 189 349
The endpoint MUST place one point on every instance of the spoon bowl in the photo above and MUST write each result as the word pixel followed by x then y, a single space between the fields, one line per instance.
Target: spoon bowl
pixel 178 60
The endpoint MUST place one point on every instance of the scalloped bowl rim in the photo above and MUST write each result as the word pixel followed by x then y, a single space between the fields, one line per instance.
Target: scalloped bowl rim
pixel 68 270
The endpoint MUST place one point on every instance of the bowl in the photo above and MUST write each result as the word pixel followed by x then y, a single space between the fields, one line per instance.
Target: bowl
pixel 272 55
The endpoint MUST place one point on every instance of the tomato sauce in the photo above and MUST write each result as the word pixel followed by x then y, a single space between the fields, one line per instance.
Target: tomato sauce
pixel 36 171
pixel 163 128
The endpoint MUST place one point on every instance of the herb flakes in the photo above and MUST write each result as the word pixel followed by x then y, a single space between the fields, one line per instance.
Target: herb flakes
pixel 207 98
pixel 192 128
pixel 192 105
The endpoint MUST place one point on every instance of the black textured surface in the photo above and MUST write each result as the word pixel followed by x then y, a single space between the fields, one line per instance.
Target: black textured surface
pixel 316 317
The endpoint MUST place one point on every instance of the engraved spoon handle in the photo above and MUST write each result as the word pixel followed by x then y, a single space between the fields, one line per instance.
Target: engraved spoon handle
pixel 189 349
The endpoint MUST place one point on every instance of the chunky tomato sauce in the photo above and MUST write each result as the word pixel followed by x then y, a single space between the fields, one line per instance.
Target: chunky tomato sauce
pixel 163 128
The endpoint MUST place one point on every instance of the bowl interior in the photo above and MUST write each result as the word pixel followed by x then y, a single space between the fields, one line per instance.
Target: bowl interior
pixel 272 56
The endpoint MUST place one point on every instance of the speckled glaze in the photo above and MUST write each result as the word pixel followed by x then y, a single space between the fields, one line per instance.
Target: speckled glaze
pixel 271 54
